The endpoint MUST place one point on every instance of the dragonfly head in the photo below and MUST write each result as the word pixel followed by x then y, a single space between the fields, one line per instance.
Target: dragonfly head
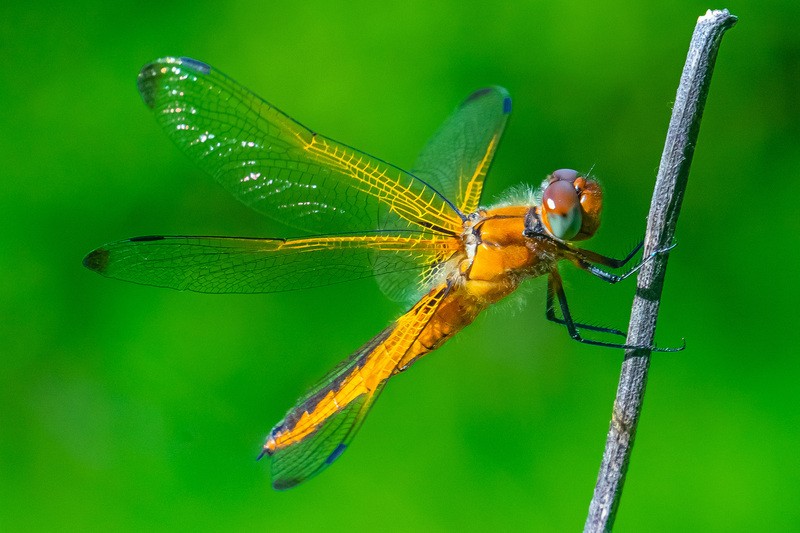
pixel 571 205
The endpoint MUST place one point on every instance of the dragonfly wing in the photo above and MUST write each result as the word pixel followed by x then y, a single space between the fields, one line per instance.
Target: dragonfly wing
pixel 279 167
pixel 402 280
pixel 317 430
pixel 242 265
pixel 456 159
pixel 303 459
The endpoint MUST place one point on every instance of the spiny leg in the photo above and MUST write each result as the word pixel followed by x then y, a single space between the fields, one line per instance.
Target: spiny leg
pixel 584 259
pixel 610 262
pixel 550 313
pixel 556 286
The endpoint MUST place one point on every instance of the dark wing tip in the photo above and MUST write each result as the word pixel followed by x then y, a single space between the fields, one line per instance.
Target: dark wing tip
pixel 506 105
pixel 147 238
pixel 150 74
pixel 495 91
pixel 97 260
pixel 203 68
pixel 336 453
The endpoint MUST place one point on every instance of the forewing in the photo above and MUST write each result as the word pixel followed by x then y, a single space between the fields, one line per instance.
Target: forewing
pixel 279 167
pixel 456 159
pixel 242 265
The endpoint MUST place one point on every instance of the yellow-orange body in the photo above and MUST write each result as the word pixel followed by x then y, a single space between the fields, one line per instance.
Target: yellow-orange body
pixel 493 258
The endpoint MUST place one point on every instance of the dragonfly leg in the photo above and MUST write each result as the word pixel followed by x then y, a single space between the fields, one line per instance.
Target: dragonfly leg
pixel 604 260
pixel 585 258
pixel 550 313
pixel 555 287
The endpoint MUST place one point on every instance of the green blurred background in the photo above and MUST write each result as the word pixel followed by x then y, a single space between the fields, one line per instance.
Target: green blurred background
pixel 125 407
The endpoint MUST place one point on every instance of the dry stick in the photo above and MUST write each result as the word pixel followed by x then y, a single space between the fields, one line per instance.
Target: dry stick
pixel 673 173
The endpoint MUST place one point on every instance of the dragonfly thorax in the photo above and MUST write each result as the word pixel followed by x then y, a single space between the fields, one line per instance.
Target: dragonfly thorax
pixel 471 234
pixel 496 254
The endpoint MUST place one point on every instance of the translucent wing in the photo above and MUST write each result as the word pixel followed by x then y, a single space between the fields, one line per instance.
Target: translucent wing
pixel 312 452
pixel 281 168
pixel 318 429
pixel 456 159
pixel 242 265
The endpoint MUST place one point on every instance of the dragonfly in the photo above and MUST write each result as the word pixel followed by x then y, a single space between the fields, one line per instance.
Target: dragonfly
pixel 423 235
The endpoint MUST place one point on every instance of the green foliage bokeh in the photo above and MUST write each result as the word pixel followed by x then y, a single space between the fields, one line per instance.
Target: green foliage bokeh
pixel 125 407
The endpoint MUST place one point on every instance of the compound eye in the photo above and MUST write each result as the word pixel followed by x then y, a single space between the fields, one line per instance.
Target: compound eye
pixel 561 209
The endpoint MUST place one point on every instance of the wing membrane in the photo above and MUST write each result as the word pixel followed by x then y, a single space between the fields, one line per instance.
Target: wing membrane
pixel 456 159
pixel 318 429
pixel 242 265
pixel 279 167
